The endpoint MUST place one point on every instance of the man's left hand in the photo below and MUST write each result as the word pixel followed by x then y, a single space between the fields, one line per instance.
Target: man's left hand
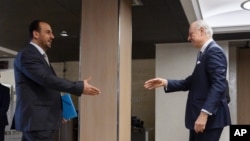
pixel 200 123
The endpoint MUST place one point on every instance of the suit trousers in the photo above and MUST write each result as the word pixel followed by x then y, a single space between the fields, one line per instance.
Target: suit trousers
pixel 38 136
pixel 207 135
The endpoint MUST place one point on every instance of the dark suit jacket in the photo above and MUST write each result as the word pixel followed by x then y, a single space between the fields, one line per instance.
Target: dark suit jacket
pixel 4 105
pixel 38 103
pixel 206 86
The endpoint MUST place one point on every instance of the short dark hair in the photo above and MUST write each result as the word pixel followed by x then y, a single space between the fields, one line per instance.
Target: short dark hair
pixel 34 26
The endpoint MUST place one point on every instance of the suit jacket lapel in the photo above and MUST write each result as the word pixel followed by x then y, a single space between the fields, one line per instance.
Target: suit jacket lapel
pixel 207 48
pixel 39 54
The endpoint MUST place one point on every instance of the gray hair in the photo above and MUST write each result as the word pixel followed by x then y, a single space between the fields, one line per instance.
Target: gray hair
pixel 207 28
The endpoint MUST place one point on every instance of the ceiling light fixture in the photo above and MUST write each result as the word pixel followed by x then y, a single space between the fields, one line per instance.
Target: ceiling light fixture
pixel 245 5
pixel 137 3
pixel 64 34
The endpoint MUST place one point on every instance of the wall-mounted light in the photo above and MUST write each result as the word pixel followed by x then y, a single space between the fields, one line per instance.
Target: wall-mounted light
pixel 245 5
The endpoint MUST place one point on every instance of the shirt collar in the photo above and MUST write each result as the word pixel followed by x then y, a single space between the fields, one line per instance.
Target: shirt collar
pixel 205 45
pixel 38 48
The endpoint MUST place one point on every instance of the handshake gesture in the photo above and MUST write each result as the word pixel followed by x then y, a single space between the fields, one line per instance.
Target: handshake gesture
pixel 155 83
pixel 149 84
pixel 89 89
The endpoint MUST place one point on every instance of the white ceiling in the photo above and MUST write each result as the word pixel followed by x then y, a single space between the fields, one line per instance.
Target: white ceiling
pixel 223 15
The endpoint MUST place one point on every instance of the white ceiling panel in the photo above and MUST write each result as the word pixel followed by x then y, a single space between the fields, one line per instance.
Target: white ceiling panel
pixel 223 15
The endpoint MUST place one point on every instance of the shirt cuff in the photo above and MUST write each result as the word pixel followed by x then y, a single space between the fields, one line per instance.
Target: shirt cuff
pixel 165 88
pixel 205 111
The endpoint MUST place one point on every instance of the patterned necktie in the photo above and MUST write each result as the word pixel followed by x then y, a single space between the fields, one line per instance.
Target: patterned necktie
pixel 199 56
pixel 46 58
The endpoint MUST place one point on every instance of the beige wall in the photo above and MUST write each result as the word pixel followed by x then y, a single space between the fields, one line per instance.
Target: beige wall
pixel 7 75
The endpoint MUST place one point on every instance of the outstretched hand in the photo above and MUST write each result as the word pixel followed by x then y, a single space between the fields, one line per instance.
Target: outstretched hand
pixel 155 83
pixel 89 89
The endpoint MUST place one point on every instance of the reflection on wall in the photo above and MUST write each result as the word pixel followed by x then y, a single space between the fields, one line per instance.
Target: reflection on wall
pixel 7 78
pixel 143 101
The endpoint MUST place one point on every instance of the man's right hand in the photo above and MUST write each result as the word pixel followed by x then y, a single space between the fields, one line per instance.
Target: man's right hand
pixel 89 89
pixel 155 83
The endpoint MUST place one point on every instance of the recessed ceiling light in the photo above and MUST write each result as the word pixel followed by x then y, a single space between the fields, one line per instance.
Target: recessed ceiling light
pixel 137 3
pixel 245 5
pixel 64 34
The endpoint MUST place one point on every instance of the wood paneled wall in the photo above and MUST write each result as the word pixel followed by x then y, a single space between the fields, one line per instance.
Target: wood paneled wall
pixel 105 54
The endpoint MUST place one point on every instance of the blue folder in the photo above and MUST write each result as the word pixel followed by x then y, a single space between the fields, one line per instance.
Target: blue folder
pixel 69 110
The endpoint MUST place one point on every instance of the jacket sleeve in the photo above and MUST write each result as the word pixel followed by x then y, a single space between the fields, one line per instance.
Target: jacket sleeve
pixel 178 85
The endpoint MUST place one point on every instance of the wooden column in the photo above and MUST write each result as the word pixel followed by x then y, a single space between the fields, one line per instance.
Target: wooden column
pixel 105 54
